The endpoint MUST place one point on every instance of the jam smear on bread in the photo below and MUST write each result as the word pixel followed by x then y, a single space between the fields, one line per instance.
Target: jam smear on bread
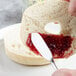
pixel 67 0
pixel 58 44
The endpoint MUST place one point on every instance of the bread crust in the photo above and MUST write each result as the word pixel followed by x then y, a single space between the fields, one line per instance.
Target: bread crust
pixel 26 60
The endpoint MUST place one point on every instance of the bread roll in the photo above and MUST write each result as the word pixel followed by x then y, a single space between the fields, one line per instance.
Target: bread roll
pixel 37 16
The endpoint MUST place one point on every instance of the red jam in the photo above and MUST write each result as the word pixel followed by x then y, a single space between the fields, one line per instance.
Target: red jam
pixel 67 0
pixel 58 44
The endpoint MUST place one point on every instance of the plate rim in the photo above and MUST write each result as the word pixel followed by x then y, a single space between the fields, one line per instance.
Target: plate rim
pixel 3 30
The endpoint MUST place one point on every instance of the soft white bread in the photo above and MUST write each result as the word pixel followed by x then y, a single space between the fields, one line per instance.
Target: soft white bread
pixel 37 16
pixel 16 51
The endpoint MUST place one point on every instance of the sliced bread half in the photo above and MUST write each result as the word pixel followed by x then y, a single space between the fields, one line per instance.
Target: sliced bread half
pixel 16 51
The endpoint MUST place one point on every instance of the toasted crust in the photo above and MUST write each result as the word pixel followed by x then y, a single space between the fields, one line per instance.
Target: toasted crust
pixel 16 51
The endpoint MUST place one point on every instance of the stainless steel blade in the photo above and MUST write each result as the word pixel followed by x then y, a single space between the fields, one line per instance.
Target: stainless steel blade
pixel 41 46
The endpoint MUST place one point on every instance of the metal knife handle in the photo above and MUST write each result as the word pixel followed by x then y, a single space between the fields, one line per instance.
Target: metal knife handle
pixel 54 65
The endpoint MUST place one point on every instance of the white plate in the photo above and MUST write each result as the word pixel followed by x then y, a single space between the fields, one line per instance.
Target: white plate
pixel 10 68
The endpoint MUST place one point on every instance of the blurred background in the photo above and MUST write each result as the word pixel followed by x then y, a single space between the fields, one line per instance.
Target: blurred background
pixel 11 12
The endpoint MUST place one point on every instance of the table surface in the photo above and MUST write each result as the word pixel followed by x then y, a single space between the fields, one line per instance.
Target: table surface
pixel 10 12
